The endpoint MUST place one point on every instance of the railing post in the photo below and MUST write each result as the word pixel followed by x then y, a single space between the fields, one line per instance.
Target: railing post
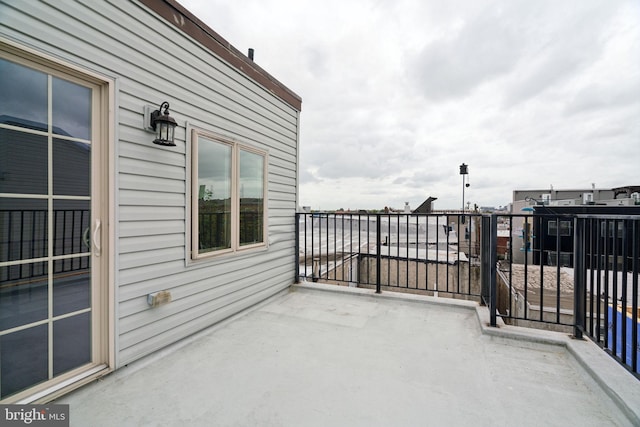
pixel 578 278
pixel 634 293
pixel 297 249
pixel 493 261
pixel 485 226
pixel 378 254
pixel 489 260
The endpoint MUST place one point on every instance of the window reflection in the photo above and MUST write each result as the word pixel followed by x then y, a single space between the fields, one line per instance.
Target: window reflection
pixel 71 342
pixel 24 294
pixel 23 359
pixel 23 92
pixel 23 162
pixel 71 168
pixel 23 229
pixel 214 195
pixel 71 221
pixel 71 109
pixel 251 197
pixel 71 285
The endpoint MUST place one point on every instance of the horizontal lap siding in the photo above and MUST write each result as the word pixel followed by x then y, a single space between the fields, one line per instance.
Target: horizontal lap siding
pixel 120 39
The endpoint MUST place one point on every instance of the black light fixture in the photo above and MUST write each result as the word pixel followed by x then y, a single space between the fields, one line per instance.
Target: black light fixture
pixel 163 124
pixel 464 171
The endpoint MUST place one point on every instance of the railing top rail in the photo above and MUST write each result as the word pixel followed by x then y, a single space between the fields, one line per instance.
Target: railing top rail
pixel 605 216
pixel 565 215
pixel 391 213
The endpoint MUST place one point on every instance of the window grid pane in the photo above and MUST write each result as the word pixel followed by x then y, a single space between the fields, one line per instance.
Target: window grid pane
pixel 214 195
pixel 251 198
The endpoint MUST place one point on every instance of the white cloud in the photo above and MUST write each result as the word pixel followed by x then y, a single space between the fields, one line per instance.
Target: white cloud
pixel 397 94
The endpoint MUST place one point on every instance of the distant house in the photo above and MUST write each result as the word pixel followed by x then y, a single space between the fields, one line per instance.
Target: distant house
pixel 113 247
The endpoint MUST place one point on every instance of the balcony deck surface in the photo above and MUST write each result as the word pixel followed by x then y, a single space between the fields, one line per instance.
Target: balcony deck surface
pixel 343 358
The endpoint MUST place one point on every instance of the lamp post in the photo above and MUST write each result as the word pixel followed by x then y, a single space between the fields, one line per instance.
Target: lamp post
pixel 464 170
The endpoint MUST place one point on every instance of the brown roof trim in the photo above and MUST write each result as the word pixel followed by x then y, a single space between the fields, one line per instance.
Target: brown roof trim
pixel 174 13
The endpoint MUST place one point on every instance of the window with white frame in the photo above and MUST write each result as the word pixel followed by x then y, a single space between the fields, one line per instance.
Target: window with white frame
pixel 228 195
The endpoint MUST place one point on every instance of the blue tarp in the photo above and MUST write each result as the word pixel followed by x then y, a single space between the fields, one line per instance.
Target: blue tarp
pixel 618 332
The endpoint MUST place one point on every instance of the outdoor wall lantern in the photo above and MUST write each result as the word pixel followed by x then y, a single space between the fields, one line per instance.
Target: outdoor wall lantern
pixel 163 125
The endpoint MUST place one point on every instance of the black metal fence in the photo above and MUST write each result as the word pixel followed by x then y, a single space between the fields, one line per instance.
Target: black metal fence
pixel 607 269
pixel 573 272
pixel 582 274
pixel 411 252
pixel 527 266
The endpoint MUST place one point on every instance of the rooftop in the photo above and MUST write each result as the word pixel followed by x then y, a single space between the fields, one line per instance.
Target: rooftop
pixel 550 281
pixel 321 355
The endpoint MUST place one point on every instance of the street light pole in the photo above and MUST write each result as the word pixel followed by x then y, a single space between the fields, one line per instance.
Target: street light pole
pixel 464 170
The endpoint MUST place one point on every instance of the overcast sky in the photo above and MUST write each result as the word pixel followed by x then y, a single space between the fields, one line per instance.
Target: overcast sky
pixel 396 94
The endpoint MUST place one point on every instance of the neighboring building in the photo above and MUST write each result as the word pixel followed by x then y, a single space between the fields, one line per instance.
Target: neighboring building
pixel 553 194
pixel 112 247
pixel 555 244
pixel 503 242
pixel 532 234
pixel 587 196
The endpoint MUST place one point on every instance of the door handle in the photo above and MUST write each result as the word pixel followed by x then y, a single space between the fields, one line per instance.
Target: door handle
pixel 85 238
pixel 96 240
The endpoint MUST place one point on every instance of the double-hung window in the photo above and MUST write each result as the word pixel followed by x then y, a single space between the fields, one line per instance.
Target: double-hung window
pixel 228 196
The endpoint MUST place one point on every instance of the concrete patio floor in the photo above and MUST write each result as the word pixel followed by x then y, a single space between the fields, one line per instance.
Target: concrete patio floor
pixel 333 356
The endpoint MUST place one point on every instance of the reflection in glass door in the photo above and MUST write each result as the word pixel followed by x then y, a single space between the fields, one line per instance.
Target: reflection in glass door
pixel 47 227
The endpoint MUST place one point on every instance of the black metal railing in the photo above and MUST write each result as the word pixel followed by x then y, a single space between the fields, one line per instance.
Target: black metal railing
pixel 607 252
pixel 412 252
pixel 528 281
pixel 577 272
pixel 584 277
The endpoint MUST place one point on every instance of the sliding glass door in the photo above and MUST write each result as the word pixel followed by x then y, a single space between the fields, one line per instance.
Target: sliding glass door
pixel 50 230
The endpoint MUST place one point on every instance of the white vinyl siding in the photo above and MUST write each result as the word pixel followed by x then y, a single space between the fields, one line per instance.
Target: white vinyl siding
pixel 152 61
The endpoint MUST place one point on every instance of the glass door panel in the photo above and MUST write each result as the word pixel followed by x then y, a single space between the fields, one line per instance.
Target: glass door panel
pixel 23 162
pixel 24 356
pixel 46 280
pixel 23 229
pixel 24 94
pixel 23 295
pixel 71 109
pixel 71 291
pixel 71 168
pixel 71 342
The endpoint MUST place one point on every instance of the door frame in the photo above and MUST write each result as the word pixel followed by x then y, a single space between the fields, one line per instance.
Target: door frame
pixel 102 201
